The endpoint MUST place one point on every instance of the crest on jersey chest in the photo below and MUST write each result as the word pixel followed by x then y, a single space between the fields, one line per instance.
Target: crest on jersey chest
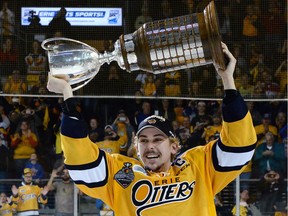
pixel 125 176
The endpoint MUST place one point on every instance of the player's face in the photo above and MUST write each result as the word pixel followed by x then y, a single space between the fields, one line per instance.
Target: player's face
pixel 155 149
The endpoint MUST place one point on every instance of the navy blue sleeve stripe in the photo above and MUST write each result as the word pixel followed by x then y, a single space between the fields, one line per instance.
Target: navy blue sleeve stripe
pixel 235 149
pixel 220 168
pixel 72 127
pixel 234 109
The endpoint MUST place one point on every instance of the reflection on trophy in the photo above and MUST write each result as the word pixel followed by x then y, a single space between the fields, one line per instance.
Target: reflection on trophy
pixel 157 47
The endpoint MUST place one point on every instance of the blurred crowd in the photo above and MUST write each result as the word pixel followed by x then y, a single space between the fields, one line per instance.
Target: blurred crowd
pixel 255 32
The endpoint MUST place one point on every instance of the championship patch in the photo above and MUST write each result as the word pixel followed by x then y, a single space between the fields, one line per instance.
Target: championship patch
pixel 125 176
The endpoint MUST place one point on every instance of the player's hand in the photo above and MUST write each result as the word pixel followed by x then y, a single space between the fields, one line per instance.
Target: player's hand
pixel 60 85
pixel 231 65
pixel 57 84
pixel 227 75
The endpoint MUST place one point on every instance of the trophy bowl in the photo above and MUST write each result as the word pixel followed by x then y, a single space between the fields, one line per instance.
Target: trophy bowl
pixel 73 59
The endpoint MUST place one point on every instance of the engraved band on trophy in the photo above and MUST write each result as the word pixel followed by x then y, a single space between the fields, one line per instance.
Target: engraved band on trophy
pixel 157 47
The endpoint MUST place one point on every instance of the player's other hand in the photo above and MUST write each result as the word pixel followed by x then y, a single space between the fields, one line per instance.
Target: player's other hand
pixel 230 66
pixel 57 84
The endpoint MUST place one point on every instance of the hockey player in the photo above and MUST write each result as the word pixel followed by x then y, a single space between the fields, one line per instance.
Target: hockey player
pixel 159 184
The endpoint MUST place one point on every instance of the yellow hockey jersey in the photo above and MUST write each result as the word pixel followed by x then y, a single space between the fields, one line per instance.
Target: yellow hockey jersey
pixel 188 188
pixel 27 200
pixel 8 209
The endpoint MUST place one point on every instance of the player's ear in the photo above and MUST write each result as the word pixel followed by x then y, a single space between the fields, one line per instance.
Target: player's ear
pixel 174 148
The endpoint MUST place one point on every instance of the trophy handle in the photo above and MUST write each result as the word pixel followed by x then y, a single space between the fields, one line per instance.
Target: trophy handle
pixel 214 36
pixel 83 84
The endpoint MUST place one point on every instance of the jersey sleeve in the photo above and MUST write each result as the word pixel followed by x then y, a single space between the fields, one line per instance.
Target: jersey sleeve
pixel 237 142
pixel 221 161
pixel 87 164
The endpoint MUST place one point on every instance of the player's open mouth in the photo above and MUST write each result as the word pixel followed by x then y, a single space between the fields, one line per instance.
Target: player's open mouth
pixel 152 156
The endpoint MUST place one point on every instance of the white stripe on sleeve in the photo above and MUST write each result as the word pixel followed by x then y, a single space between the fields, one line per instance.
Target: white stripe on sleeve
pixel 231 159
pixel 93 175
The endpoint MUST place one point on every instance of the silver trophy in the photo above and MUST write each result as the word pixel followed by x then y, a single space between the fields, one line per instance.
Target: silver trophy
pixel 157 47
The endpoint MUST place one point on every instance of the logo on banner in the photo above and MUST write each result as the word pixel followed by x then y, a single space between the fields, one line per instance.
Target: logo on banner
pixel 113 16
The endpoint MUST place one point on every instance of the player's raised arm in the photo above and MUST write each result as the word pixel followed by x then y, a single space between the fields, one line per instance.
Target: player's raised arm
pixel 87 164
pixel 236 145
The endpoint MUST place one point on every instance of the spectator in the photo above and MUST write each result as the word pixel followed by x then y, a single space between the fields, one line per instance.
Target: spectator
pixel 64 196
pixel 14 115
pixel 59 23
pixel 172 84
pixel 36 63
pixel 241 61
pixel 179 109
pixel 58 147
pixel 144 113
pixel 245 88
pixel 195 90
pixel 112 143
pixel 265 127
pixel 271 88
pixel 24 143
pixel 246 209
pixel 281 76
pixel 176 127
pixel 207 81
pixel 225 23
pixel 140 80
pixel 271 188
pixel 144 17
pixel 7 20
pixel 184 130
pixel 256 115
pixel 191 110
pixel 115 81
pixel 15 85
pixel 149 87
pixel 103 208
pixel 166 110
pixel 221 209
pixel 281 124
pixel 214 129
pixel 201 116
pixel 7 207
pixel 40 86
pixel 33 193
pixel 251 24
pixel 4 120
pixel 95 133
pixel 4 158
pixel 36 169
pixel 123 128
pixel 134 107
pixel 185 139
pixel 259 68
pixel 9 57
pixel 269 155
pixel 237 8
pixel 273 24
